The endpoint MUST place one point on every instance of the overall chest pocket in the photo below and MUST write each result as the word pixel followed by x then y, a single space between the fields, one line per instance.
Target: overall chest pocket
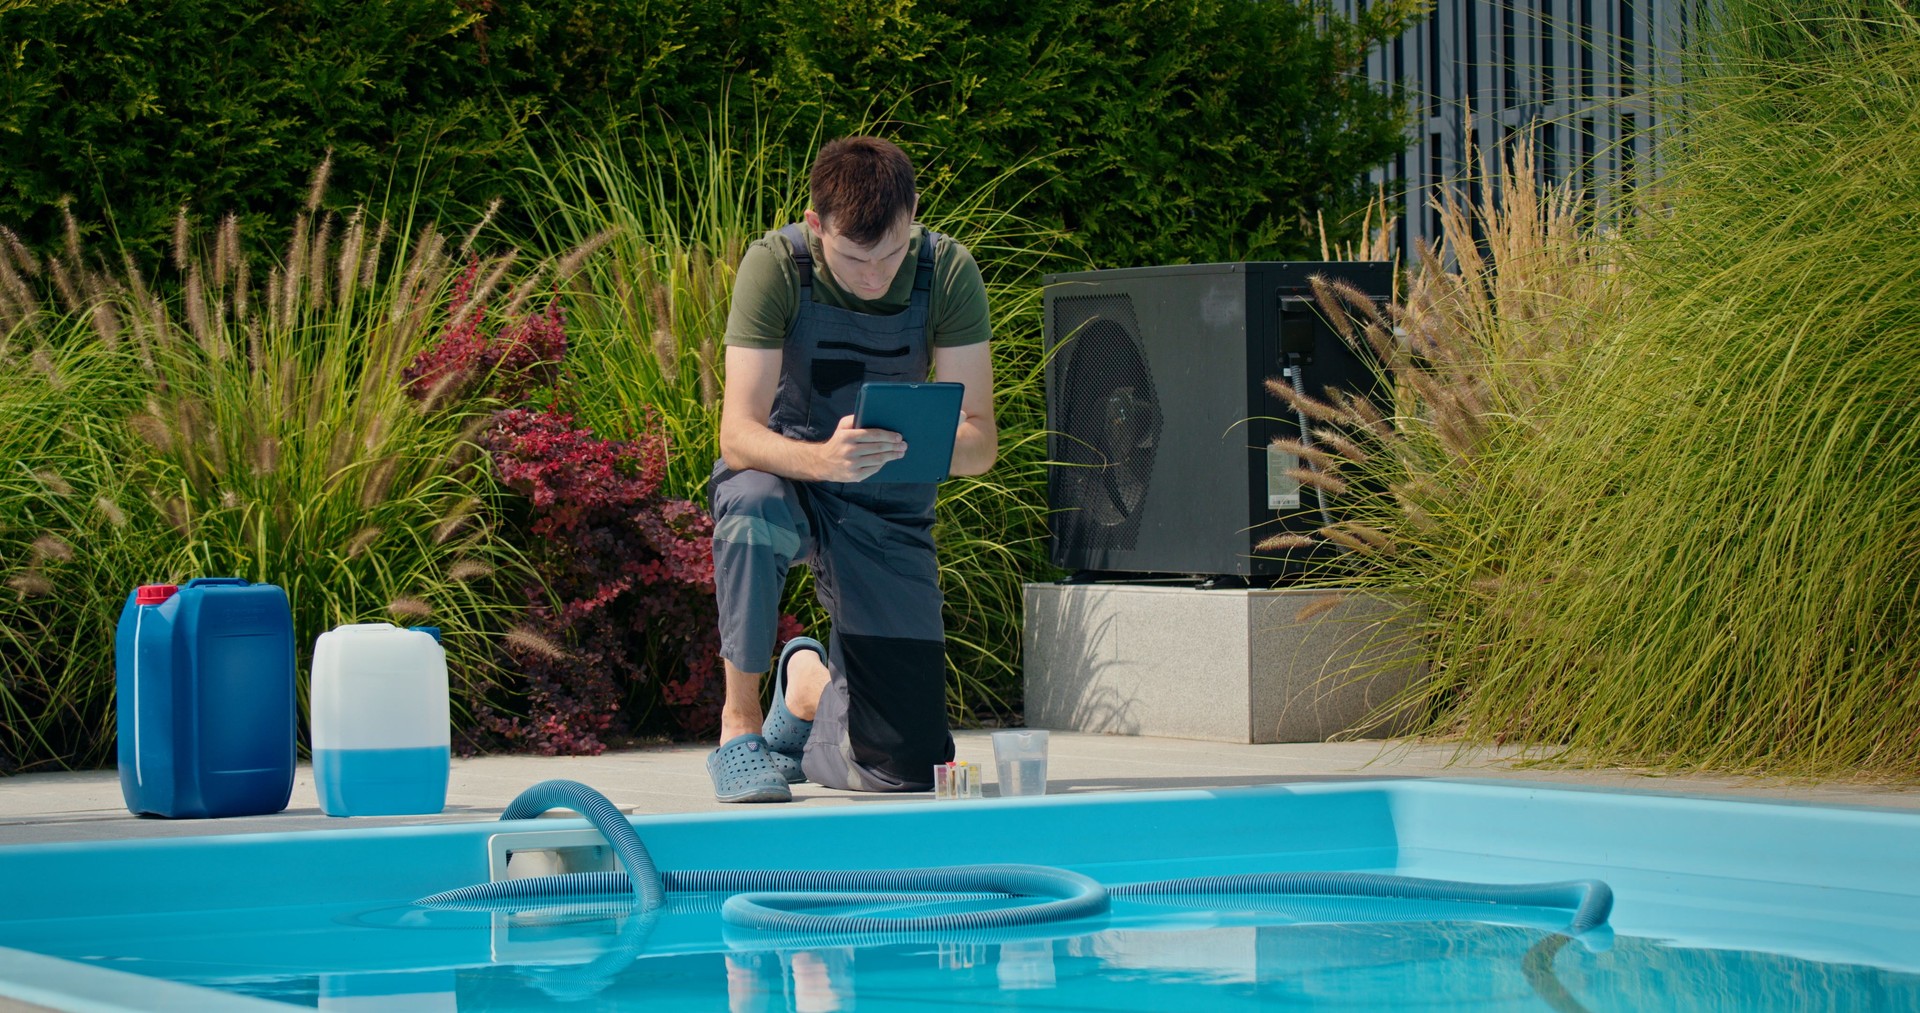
pixel 841 364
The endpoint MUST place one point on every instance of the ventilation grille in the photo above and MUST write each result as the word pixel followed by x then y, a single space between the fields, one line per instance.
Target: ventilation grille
pixel 1105 423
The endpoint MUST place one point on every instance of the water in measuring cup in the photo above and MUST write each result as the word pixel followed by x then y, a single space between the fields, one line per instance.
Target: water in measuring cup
pixel 1023 777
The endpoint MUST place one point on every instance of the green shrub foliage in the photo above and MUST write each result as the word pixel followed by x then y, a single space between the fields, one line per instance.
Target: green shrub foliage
pixel 1203 130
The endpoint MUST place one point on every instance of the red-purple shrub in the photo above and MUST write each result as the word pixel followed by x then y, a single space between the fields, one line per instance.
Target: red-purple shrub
pixel 626 617
pixel 512 364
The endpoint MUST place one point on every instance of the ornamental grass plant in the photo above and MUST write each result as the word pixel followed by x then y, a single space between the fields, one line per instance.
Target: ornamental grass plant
pixel 1652 491
pixel 236 416
pixel 648 318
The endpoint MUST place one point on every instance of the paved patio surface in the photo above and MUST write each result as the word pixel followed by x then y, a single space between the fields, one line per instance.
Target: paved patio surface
pixel 87 806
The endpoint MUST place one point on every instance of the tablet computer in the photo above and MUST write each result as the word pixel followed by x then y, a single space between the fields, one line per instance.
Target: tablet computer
pixel 927 415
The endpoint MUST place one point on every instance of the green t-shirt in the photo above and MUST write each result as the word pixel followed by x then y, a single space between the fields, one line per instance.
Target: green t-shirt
pixel 766 293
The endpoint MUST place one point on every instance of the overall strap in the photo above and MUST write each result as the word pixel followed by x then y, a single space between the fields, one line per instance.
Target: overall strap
pixel 923 271
pixel 796 236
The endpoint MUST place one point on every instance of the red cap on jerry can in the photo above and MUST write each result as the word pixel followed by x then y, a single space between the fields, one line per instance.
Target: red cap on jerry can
pixel 154 594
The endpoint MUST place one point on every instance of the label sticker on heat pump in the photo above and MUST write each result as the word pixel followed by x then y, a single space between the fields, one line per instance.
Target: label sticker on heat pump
pixel 1283 490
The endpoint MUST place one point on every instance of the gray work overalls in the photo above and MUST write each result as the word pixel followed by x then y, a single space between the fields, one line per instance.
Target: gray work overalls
pixel 882 721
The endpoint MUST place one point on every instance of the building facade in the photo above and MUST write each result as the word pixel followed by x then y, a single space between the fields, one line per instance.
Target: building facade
pixel 1482 72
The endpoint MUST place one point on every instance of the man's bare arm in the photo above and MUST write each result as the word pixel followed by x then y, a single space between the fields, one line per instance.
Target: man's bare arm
pixel 977 443
pixel 848 455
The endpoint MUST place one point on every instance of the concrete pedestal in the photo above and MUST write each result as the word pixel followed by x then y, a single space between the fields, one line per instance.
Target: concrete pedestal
pixel 1226 665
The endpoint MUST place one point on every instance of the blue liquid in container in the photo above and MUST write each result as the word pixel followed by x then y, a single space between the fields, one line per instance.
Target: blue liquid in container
pixel 204 699
pixel 381 782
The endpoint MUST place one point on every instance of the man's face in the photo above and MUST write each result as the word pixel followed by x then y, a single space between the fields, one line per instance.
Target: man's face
pixel 865 271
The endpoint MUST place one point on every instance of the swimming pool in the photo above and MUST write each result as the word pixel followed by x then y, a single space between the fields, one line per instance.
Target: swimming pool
pixel 1718 905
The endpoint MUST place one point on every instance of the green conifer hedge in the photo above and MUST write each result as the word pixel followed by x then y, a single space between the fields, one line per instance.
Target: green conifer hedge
pixel 1161 132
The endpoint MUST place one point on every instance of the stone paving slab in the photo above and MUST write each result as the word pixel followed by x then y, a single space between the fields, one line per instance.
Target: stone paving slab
pixel 87 805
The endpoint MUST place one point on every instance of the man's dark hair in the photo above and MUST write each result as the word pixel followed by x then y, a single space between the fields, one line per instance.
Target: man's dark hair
pixel 864 184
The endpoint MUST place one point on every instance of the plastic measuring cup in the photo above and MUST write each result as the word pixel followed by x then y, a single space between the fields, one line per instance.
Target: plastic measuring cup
pixel 1021 756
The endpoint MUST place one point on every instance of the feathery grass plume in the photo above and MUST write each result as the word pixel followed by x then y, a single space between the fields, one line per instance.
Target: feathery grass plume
pixel 226 249
pixel 411 305
pixel 1277 543
pixel 242 304
pixel 466 245
pixel 30 585
pixel 1325 481
pixel 1339 535
pixel 293 279
pixel 1319 606
pixel 63 284
pixel 317 261
pixel 483 289
pixel 1330 309
pixel 275 293
pixel 160 323
pixel 1341 445
pixel 1386 350
pixel 23 257
pixel 182 232
pixel 287 384
pixel 1488 586
pixel 576 258
pixel 23 303
pixel 1360 412
pixel 455 519
pixel 317 183
pixel 468 569
pixel 70 231
pixel 1459 430
pixel 47 367
pixel 370 263
pixel 363 539
pixel 229 499
pixel 444 388
pixel 197 323
pixel 266 454
pixel 517 300
pixel 530 641
pixel 1374 537
pixel 148 427
pixel 666 347
pixel 50 547
pixel 1359 303
pixel 1412 496
pixel 256 351
pixel 111 511
pixel 424 261
pixel 348 266
pixel 1312 455
pixel 466 447
pixel 709 374
pixel 178 515
pixel 54 482
pixel 1306 404
pixel 408 608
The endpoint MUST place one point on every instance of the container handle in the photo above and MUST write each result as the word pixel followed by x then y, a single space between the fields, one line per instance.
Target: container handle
pixel 219 582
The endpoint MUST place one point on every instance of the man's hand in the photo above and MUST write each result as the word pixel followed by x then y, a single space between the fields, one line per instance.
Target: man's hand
pixel 853 455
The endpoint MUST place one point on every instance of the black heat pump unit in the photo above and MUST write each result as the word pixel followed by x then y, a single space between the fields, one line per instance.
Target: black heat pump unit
pixel 1160 421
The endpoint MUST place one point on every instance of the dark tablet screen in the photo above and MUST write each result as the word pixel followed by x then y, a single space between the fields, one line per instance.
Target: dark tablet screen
pixel 926 414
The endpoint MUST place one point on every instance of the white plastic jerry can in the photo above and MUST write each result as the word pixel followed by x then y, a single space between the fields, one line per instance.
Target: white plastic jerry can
pixel 380 720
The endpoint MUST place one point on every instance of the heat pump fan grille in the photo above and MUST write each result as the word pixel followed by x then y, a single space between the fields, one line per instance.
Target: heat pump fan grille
pixel 1107 426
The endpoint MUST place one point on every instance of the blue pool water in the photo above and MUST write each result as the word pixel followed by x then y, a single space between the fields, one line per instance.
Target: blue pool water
pixel 1718 906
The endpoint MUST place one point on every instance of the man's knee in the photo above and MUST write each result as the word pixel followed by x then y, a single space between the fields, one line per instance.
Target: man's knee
pixel 755 509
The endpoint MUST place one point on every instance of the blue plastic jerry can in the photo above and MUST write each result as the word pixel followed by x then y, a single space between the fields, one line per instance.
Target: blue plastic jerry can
pixel 205 699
